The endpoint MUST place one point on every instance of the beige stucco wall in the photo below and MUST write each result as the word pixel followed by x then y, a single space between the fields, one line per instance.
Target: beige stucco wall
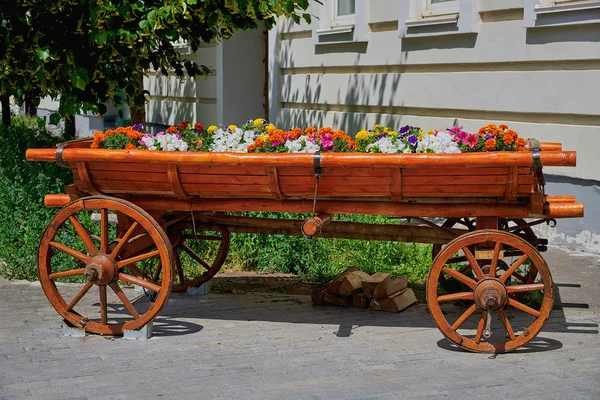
pixel 544 81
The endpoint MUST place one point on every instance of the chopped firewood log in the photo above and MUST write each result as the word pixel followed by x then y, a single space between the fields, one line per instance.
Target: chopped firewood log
pixel 399 302
pixel 336 299
pixel 390 286
pixel 369 284
pixel 359 300
pixel 352 283
pixel 334 285
pixel 317 296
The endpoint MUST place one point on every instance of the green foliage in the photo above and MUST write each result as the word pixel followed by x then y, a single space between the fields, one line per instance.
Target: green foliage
pixel 87 51
pixel 23 186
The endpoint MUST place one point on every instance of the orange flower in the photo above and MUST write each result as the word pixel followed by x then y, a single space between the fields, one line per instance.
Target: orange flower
pixel 351 144
pixel 339 135
pixel 508 139
pixel 134 135
pixel 251 148
pixel 490 144
pixel 98 137
pixel 259 142
pixel 512 133
pixel 94 145
pixel 171 129
pixel 520 142
pixel 130 146
pixel 310 130
pixel 520 148
pixel 503 127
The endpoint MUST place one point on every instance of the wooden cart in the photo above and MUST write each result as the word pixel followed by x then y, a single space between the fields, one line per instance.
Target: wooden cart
pixel 486 255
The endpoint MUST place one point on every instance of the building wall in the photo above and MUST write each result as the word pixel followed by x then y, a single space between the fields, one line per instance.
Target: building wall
pixel 536 69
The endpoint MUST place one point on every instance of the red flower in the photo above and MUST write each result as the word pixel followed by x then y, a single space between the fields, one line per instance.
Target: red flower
pixel 198 126
pixel 171 129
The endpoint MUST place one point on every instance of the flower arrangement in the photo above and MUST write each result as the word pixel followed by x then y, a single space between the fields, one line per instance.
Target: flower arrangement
pixel 259 136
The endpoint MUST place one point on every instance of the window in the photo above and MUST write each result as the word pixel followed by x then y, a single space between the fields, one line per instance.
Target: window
pixel 421 18
pixel 340 21
pixel 540 13
pixel 344 8
pixel 440 7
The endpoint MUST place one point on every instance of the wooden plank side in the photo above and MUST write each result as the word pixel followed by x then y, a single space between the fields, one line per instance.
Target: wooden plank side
pixel 335 181
pixel 455 180
pixel 455 190
pixel 349 171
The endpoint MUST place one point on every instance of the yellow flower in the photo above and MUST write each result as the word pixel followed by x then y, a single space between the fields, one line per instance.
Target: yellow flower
pixel 393 133
pixel 362 135
pixel 377 126
pixel 232 128
pixel 258 122
pixel 211 129
pixel 269 128
pixel 386 130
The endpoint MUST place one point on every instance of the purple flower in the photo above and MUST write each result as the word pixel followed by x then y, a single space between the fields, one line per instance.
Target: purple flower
pixel 381 136
pixel 489 136
pixel 412 139
pixel 405 129
pixel 137 127
pixel 177 136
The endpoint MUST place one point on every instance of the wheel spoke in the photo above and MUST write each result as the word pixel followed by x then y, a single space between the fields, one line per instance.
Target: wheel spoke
pixel 464 316
pixel 460 277
pixel 522 307
pixel 455 296
pixel 124 240
pixel 506 323
pixel 104 231
pixel 513 268
pixel 103 310
pixel 473 263
pixel 72 252
pixel 65 274
pixel 79 295
pixel 201 237
pixel 83 234
pixel 481 326
pixel 138 281
pixel 141 257
pixel 194 255
pixel 456 260
pixel 525 288
pixel 178 267
pixel 495 256
pixel 115 287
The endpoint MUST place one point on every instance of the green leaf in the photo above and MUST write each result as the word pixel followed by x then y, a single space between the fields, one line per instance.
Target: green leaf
pixel 101 37
pixel 80 78
pixel 43 54
pixel 192 2
pixel 54 118
pixel 143 24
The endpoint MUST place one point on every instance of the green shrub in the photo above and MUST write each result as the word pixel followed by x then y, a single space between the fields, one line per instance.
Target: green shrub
pixel 23 185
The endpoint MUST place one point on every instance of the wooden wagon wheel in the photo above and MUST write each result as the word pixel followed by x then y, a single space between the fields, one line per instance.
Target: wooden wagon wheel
pixel 99 258
pixel 488 294
pixel 185 240
pixel 528 273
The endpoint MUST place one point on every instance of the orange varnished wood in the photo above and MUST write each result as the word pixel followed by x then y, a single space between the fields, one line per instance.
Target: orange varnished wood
pixel 348 160
pixel 512 183
pixel 274 183
pixel 173 177
pixel 86 182
pixel 397 182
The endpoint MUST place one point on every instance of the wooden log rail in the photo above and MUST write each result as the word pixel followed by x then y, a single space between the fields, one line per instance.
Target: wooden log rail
pixel 334 229
pixel 496 159
pixel 554 207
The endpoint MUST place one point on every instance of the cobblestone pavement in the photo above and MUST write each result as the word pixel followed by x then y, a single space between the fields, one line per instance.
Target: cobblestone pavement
pixel 272 346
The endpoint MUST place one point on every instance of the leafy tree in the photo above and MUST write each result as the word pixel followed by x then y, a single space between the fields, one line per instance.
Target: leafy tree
pixel 88 52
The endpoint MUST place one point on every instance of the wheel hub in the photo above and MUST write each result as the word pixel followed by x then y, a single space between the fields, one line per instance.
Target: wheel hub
pixel 490 294
pixel 100 270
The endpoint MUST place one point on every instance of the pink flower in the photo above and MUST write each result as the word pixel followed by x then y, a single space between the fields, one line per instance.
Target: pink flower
pixel 471 140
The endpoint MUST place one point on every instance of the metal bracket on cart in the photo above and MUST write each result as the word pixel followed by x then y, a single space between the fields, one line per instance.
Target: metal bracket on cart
pixel 537 162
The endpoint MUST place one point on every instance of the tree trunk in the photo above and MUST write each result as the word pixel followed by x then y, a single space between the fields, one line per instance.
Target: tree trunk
pixel 70 129
pixel 138 113
pixel 5 110
pixel 31 106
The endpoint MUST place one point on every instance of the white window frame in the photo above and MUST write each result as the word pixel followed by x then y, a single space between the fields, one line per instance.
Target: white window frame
pixel 417 16
pixel 329 28
pixel 447 7
pixel 537 13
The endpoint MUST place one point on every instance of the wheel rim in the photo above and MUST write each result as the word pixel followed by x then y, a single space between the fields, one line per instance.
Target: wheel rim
pixel 104 263
pixel 525 277
pixel 489 293
pixel 187 242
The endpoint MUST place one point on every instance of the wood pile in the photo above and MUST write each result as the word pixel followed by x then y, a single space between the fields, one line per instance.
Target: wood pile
pixel 356 288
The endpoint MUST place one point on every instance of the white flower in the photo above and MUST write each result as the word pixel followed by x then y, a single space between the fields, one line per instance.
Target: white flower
pixel 441 142
pixel 236 141
pixel 387 145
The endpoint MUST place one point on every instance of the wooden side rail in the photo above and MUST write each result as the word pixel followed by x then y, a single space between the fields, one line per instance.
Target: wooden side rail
pixel 563 207
pixel 56 200
pixel 497 159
